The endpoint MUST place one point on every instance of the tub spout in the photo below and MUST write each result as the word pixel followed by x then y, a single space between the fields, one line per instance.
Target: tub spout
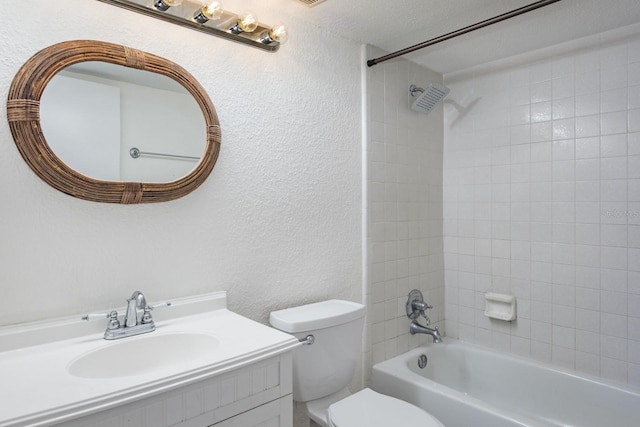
pixel 417 328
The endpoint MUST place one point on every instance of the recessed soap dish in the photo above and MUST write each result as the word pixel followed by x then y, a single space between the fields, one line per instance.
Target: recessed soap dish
pixel 500 306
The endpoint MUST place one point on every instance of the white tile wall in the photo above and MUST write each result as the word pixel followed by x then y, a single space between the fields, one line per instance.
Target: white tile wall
pixel 404 212
pixel 542 200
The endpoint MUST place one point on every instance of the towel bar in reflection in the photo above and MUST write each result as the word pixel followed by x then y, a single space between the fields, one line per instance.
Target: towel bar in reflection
pixel 135 152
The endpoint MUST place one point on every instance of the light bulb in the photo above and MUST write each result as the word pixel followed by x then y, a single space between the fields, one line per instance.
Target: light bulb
pixel 277 33
pixel 211 9
pixel 247 22
pixel 163 5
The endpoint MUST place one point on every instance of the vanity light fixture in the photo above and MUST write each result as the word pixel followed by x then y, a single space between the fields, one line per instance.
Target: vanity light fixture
pixel 208 16
pixel 212 9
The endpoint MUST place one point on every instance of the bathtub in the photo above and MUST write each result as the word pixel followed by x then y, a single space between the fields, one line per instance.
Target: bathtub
pixel 465 385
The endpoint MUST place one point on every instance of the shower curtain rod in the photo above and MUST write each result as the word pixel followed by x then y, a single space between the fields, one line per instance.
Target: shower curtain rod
pixel 465 30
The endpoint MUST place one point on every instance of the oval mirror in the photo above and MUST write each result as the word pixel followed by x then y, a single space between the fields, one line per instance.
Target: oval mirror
pixel 108 123
pixel 122 124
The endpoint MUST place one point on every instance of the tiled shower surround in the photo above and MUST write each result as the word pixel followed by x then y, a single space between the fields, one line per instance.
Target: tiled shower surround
pixel 404 207
pixel 542 200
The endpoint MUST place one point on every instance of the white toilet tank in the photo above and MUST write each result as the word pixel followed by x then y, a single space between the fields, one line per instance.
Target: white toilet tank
pixel 327 365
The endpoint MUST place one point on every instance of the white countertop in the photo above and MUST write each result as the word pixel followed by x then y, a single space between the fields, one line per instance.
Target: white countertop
pixel 36 388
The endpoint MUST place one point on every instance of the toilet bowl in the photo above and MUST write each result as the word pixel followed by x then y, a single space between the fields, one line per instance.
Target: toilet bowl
pixel 324 365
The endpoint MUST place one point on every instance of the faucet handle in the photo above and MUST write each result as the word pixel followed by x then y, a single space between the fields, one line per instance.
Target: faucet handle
pixel 160 305
pixel 114 323
pixel 146 316
pixel 421 306
pixel 95 316
pixel 416 305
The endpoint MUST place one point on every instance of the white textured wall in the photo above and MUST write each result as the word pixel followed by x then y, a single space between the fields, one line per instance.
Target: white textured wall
pixel 542 201
pixel 404 206
pixel 277 223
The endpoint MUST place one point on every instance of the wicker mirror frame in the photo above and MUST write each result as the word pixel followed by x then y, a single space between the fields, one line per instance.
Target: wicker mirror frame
pixel 23 113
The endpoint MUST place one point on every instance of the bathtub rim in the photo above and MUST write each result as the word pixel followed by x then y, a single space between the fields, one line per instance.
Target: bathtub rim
pixel 415 352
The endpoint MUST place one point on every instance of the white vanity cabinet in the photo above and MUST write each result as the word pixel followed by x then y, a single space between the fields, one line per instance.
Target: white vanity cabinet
pixel 258 395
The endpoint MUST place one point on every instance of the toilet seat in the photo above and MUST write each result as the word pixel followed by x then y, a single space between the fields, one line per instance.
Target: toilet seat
pixel 372 409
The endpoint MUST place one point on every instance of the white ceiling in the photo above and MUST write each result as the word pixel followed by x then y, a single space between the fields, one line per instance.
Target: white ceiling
pixel 394 25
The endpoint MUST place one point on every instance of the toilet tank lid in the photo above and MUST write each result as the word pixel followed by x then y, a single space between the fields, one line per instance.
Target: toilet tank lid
pixel 314 316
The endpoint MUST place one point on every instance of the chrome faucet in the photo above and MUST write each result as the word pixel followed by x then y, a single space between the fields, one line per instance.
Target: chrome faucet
pixel 417 328
pixel 132 324
pixel 136 301
pixel 416 307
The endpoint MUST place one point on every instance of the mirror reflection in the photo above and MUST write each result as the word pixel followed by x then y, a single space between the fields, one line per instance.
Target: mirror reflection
pixel 93 114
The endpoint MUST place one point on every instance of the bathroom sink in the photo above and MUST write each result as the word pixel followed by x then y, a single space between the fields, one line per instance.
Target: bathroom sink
pixel 61 370
pixel 144 354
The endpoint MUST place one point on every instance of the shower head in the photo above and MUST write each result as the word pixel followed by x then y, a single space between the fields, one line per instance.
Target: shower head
pixel 429 98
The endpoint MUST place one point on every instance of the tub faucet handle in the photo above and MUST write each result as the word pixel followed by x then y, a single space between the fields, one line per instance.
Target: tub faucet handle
pixel 416 306
pixel 421 306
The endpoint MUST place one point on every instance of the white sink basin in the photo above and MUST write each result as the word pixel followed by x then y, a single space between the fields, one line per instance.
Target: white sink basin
pixel 144 354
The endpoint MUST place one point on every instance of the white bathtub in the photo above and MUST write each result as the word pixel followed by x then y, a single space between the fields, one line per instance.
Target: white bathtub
pixel 464 385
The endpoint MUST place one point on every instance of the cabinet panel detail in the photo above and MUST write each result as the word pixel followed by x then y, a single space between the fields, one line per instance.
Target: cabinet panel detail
pixel 207 402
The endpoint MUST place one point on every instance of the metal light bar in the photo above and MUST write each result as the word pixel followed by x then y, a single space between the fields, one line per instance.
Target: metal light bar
pixel 465 30
pixel 250 39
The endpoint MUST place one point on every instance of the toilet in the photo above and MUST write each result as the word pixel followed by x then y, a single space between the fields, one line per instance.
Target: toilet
pixel 323 368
